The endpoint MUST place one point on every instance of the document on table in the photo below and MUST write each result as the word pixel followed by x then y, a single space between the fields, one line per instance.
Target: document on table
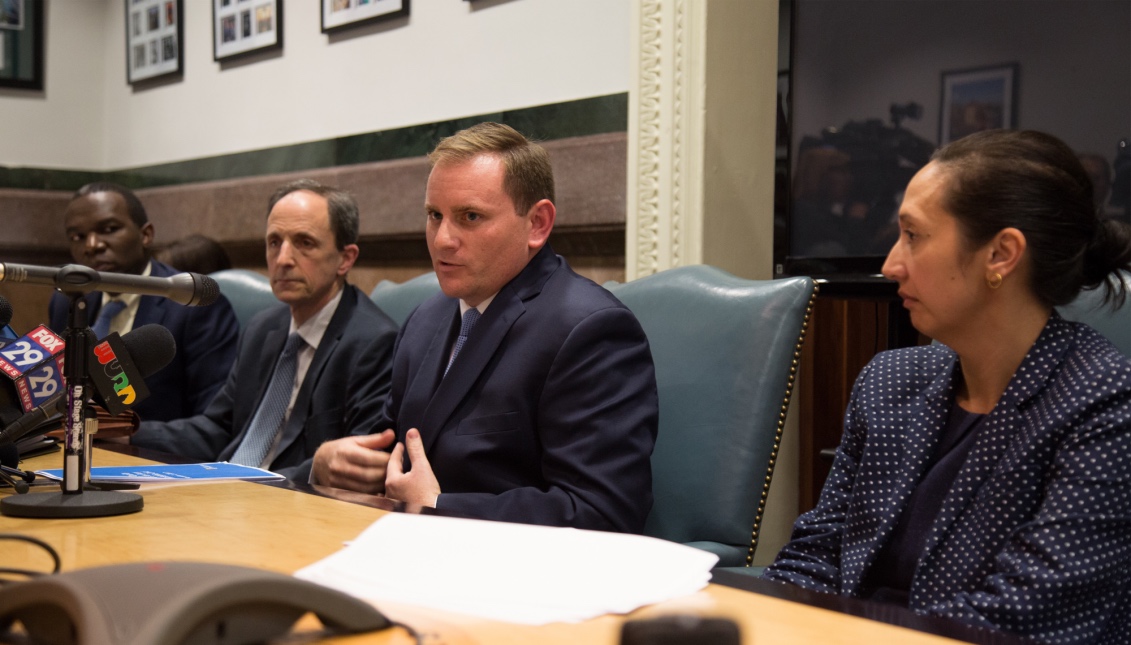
pixel 510 572
pixel 165 473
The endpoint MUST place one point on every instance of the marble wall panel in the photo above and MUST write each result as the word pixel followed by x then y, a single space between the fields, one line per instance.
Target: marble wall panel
pixel 33 221
pixel 589 172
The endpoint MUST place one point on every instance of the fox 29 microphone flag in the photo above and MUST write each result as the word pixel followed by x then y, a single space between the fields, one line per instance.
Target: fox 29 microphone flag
pixel 35 364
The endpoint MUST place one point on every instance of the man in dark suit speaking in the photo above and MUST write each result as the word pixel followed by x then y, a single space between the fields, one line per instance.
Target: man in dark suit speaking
pixel 313 369
pixel 109 230
pixel 524 392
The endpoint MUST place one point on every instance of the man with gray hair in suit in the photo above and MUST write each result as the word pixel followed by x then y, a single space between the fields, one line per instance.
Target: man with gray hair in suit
pixel 313 369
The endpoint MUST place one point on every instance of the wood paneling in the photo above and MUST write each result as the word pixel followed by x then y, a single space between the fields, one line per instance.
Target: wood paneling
pixel 845 333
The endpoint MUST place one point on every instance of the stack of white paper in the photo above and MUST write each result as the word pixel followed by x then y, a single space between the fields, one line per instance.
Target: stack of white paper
pixel 511 572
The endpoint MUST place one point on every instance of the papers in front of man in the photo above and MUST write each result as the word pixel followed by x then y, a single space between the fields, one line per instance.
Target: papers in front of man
pixel 166 473
pixel 510 572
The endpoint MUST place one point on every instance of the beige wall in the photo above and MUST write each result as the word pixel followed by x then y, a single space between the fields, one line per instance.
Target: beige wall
pixel 447 60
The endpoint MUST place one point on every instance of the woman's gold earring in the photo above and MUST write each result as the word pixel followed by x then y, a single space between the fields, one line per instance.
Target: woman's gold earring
pixel 994 281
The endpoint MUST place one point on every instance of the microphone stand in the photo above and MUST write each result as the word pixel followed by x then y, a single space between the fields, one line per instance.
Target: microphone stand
pixel 73 500
pixel 20 485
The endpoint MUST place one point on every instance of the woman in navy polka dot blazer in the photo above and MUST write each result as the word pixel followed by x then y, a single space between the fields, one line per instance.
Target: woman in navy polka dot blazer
pixel 988 478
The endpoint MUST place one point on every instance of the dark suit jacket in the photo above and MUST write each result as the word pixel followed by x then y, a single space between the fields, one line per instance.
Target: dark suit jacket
pixel 1034 536
pixel 342 393
pixel 206 340
pixel 549 413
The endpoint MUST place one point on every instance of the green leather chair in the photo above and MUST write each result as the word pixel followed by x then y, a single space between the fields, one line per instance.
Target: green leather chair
pixel 398 300
pixel 1088 308
pixel 248 291
pixel 726 352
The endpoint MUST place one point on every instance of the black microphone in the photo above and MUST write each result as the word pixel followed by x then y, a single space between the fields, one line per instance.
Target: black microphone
pixel 6 332
pixel 9 469
pixel 5 312
pixel 11 411
pixel 11 406
pixel 150 346
pixel 9 455
pixel 119 383
pixel 190 289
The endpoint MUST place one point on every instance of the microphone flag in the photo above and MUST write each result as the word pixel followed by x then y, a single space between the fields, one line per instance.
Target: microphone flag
pixel 116 378
pixel 34 362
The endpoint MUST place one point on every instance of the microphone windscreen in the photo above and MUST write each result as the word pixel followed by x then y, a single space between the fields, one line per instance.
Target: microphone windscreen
pixel 10 455
pixel 10 406
pixel 207 289
pixel 151 347
pixel 5 311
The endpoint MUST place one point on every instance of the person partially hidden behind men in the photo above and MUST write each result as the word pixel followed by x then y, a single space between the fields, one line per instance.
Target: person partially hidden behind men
pixel 313 369
pixel 524 392
pixel 109 230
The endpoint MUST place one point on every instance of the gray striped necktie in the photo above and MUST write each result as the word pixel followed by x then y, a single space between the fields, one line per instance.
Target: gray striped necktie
pixel 269 417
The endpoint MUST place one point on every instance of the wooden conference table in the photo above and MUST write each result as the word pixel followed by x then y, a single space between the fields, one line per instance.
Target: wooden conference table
pixel 283 530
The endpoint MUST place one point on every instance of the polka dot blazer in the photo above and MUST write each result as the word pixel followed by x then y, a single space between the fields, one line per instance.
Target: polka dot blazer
pixel 1034 536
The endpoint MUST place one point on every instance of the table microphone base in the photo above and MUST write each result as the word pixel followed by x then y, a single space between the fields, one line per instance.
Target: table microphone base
pixel 97 503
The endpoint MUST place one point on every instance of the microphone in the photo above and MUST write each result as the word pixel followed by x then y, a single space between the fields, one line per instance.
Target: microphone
pixel 9 455
pixel 9 469
pixel 190 289
pixel 6 332
pixel 11 408
pixel 117 378
pixel 9 465
pixel 12 404
pixel 151 348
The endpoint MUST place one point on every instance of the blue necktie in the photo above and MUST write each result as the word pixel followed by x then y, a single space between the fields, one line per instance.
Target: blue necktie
pixel 101 326
pixel 269 417
pixel 466 325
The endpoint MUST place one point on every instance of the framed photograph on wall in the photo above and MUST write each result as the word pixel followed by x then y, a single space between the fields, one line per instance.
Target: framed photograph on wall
pixel 345 14
pixel 21 44
pixel 983 98
pixel 245 26
pixel 154 39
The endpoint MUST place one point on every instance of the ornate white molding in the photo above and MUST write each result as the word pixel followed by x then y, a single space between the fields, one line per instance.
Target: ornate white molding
pixel 678 160
pixel 664 125
pixel 642 225
pixel 702 111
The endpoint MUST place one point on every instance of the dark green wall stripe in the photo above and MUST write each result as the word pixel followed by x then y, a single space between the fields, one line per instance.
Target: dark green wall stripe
pixel 597 115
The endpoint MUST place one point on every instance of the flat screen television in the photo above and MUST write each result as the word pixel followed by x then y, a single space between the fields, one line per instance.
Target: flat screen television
pixel 870 88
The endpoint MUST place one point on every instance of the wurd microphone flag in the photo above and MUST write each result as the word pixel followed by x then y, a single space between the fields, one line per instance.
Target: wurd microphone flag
pixel 116 379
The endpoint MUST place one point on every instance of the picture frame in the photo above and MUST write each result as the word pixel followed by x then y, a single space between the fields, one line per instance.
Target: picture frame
pixel 980 98
pixel 21 44
pixel 154 39
pixel 347 14
pixel 242 27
